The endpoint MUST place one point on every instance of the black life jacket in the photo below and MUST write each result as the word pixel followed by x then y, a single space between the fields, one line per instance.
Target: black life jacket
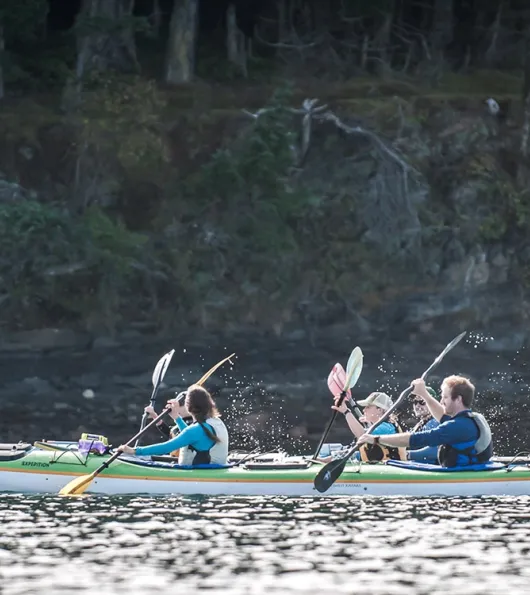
pixel 202 457
pixel 420 425
pixel 372 453
pixel 472 452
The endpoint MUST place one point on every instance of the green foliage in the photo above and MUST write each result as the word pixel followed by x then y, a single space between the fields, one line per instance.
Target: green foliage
pixel 50 260
pixel 121 116
pixel 509 210
pixel 113 249
pixel 34 239
pixel 21 20
pixel 38 70
pixel 250 188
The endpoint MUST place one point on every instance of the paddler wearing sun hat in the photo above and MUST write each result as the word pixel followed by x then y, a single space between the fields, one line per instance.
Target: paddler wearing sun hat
pixel 375 406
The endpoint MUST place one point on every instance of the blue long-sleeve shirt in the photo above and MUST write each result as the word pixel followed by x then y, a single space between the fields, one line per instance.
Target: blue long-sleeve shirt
pixel 452 430
pixel 192 435
pixel 427 454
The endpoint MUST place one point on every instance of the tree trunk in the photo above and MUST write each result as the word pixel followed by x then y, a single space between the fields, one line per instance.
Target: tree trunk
pixel 235 41
pixel 382 42
pixel 525 132
pixel 105 37
pixel 496 30
pixel 442 26
pixel 282 23
pixel 180 60
pixel 156 18
pixel 2 43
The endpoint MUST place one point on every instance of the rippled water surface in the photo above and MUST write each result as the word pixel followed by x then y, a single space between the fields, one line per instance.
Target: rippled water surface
pixel 264 545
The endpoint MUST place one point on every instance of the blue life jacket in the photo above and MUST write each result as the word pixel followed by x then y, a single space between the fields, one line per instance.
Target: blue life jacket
pixel 472 452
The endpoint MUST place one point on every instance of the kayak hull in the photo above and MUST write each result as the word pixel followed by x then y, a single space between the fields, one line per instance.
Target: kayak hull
pixel 47 471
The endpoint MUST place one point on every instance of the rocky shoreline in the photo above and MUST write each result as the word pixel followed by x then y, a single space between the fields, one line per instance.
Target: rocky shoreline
pixel 56 384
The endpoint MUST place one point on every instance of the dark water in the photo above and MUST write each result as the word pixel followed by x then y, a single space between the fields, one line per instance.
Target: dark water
pixel 264 545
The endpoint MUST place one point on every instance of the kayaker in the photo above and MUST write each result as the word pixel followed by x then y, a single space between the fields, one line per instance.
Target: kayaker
pixel 204 441
pixel 165 429
pixel 375 406
pixel 463 437
pixel 428 454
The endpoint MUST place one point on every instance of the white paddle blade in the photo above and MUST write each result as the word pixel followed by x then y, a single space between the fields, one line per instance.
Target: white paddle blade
pixel 160 369
pixel 450 346
pixel 354 367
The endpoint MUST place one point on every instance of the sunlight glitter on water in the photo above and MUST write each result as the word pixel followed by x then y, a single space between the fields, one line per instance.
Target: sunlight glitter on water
pixel 263 545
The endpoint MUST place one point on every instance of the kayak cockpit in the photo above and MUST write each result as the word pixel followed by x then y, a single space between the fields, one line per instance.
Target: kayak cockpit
pixel 12 452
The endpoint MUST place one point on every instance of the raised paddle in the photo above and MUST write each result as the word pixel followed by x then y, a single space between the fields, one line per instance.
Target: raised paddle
pixel 80 484
pixel 327 476
pixel 158 372
pixel 354 369
pixel 214 368
pixel 336 382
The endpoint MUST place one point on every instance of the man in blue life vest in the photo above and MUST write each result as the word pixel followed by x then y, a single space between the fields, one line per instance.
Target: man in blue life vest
pixel 463 437
pixel 427 454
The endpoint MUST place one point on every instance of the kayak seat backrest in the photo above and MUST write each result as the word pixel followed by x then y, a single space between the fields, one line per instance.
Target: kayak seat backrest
pixel 169 464
pixel 490 466
pixel 12 446
pixel 12 455
pixel 277 466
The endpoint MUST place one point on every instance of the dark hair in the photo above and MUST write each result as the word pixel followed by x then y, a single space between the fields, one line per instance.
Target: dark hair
pixel 460 386
pixel 200 404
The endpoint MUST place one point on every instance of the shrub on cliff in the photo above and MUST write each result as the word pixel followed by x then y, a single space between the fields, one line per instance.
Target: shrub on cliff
pixel 233 231
pixel 54 265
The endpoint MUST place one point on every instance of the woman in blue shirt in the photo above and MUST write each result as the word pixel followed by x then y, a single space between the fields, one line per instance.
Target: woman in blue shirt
pixel 204 441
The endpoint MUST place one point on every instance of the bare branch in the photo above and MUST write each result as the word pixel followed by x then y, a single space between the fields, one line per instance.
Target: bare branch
pixel 331 117
pixel 282 44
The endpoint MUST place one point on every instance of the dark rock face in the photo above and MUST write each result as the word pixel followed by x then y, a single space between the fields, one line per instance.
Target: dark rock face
pixel 274 396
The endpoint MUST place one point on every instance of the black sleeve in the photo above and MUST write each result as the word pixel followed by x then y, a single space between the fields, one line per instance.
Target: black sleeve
pixel 165 430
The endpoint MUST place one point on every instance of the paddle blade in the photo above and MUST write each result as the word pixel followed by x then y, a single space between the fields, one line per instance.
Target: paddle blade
pixel 214 368
pixel 450 346
pixel 77 486
pixel 354 367
pixel 337 380
pixel 161 368
pixel 329 473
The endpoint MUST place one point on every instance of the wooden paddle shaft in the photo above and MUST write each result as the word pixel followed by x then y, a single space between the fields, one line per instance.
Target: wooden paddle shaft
pixel 140 433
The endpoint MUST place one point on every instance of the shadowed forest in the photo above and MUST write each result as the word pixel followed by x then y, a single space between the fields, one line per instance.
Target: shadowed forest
pixel 264 165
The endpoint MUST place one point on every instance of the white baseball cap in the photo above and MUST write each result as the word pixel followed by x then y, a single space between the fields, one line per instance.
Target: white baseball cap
pixel 381 400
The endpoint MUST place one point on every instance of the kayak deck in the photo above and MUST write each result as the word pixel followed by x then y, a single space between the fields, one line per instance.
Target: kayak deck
pixel 37 470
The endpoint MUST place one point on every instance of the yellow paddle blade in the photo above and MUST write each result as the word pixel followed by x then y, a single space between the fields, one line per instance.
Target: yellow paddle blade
pixel 214 368
pixel 77 486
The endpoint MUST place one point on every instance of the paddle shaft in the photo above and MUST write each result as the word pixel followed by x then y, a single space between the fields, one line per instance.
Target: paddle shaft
pixel 152 401
pixel 119 452
pixel 343 394
pixel 330 423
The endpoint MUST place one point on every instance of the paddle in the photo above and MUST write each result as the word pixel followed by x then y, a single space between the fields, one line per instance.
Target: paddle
pixel 214 368
pixel 353 371
pixel 158 372
pixel 327 476
pixel 336 382
pixel 80 484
